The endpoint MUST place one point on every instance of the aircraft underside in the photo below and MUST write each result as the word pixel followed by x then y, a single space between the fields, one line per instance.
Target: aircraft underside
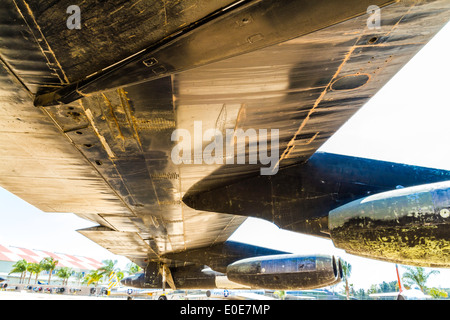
pixel 170 123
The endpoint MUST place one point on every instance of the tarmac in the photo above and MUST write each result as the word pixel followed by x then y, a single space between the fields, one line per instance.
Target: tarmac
pixel 24 295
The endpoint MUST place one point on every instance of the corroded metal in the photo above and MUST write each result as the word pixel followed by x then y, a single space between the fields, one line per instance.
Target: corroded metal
pixel 300 197
pixel 286 272
pixel 107 156
pixel 252 25
pixel 184 277
pixel 407 225
pixel 219 256
pixel 278 271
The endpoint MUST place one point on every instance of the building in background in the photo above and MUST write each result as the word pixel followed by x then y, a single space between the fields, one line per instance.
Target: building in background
pixel 9 255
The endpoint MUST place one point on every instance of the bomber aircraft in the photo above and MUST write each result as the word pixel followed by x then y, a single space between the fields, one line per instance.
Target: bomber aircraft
pixel 169 123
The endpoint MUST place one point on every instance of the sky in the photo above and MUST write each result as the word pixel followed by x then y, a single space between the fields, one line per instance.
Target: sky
pixel 407 121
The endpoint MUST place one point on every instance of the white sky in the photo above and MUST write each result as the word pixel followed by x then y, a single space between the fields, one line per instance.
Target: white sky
pixel 407 121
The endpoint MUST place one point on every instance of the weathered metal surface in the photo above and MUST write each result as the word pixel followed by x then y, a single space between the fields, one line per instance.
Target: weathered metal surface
pixel 282 87
pixel 111 30
pixel 89 159
pixel 219 256
pixel 299 197
pixel 250 25
pixel 184 277
pixel 38 163
pixel 276 271
pixel 286 272
pixel 107 156
pixel 407 225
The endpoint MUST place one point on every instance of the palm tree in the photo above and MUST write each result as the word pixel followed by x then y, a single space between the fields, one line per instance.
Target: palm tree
pixel 30 268
pixel 361 294
pixel 438 293
pixel 64 273
pixel 417 275
pixel 93 277
pixel 346 271
pixel 36 268
pixel 79 276
pixel 372 289
pixel 120 275
pixel 20 267
pixel 108 267
pixel 132 268
pixel 281 294
pixel 49 264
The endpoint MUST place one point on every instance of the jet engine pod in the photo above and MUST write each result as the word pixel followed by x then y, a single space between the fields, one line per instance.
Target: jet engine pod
pixel 406 225
pixel 286 272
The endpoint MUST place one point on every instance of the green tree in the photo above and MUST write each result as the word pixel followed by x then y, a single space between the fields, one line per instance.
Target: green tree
pixel 346 271
pixel 281 294
pixel 64 273
pixel 372 289
pixel 79 276
pixel 21 267
pixel 418 276
pixel 120 275
pixel 49 264
pixel 388 286
pixel 437 293
pixel 132 268
pixel 93 277
pixel 34 268
pixel 361 294
pixel 108 267
pixel 38 268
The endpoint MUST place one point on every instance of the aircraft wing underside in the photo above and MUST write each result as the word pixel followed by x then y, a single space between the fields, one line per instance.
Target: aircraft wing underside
pixel 87 115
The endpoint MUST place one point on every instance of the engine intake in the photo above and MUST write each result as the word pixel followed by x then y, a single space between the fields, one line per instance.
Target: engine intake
pixel 286 272
pixel 406 225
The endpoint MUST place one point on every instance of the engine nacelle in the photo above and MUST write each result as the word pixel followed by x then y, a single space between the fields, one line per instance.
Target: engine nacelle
pixel 406 225
pixel 286 272
pixel 184 277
